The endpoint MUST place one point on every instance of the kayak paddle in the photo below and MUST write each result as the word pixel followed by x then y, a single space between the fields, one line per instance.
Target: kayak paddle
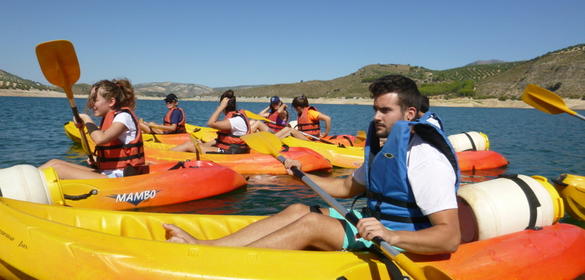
pixel 316 138
pixel 255 116
pixel 59 64
pixel 546 101
pixel 268 143
pixel 197 146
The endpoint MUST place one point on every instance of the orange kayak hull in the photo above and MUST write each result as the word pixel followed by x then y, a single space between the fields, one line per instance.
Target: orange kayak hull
pixel 479 160
pixel 249 164
pixel 554 252
pixel 160 187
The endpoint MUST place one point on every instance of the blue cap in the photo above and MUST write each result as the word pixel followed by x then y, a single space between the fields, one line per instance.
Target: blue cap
pixel 171 98
pixel 274 100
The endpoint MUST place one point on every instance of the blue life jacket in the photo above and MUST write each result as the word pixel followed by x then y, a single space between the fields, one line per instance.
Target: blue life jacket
pixel 390 196
pixel 431 115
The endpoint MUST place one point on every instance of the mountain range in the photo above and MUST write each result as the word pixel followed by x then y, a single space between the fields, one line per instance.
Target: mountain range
pixel 562 71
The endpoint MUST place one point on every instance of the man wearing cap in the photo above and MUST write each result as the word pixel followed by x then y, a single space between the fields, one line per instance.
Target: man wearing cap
pixel 173 122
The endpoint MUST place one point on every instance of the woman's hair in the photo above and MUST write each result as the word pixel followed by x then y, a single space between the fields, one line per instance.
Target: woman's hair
pixel 231 106
pixel 119 89
pixel 300 101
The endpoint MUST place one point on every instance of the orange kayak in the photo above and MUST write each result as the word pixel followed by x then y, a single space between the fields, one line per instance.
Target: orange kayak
pixel 479 160
pixel 249 164
pixel 194 180
pixel 554 252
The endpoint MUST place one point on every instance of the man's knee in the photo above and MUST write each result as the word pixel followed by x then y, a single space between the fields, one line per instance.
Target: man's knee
pixel 52 163
pixel 313 219
pixel 298 208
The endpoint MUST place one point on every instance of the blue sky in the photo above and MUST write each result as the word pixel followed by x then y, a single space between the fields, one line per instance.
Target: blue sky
pixel 228 43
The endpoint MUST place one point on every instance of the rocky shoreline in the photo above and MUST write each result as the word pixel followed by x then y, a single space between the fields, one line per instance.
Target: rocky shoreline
pixel 576 104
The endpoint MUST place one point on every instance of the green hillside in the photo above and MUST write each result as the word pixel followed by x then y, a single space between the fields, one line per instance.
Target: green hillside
pixel 10 81
pixel 451 83
pixel 561 71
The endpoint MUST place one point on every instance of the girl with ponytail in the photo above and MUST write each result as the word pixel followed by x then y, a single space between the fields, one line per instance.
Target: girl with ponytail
pixel 118 140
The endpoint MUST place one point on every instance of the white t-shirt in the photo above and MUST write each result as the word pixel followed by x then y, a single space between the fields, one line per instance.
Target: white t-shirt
pixel 130 133
pixel 430 175
pixel 238 125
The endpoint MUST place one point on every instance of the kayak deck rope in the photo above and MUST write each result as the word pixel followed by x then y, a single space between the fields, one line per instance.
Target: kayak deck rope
pixel 81 196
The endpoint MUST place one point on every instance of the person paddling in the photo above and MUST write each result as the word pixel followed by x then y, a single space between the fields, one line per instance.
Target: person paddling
pixel 173 121
pixel 276 112
pixel 231 128
pixel 308 121
pixel 118 140
pixel 410 184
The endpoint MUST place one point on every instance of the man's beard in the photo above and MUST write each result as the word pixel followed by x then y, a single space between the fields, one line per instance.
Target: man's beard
pixel 381 131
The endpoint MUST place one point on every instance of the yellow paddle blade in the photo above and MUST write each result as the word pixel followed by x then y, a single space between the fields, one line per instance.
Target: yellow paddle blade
pixel 545 100
pixel 360 136
pixel 255 116
pixel 59 64
pixel 264 142
pixel 572 188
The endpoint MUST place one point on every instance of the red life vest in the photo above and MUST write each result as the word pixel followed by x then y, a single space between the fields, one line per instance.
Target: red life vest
pixel 277 123
pixel 180 126
pixel 231 143
pixel 309 127
pixel 115 154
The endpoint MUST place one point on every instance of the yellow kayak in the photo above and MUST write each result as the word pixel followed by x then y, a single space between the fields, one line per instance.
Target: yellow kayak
pixel 54 242
pixel 344 157
pixel 572 189
pixel 205 134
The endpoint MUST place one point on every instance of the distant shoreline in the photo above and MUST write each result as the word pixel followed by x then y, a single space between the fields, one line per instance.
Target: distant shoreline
pixel 576 104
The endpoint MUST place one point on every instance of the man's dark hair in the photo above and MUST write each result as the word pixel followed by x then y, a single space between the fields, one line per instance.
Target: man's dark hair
pixel 231 106
pixel 408 94
pixel 300 101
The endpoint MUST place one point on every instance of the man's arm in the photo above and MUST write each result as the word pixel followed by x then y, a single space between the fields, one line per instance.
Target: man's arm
pixel 442 237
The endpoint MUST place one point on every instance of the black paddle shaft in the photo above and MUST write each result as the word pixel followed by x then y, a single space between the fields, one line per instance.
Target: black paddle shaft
pixel 350 217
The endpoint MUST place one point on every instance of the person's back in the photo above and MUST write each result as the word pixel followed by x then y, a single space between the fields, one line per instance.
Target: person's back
pixel 231 128
pixel 228 140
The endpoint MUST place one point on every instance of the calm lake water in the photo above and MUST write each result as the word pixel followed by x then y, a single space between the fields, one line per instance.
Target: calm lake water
pixel 535 143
